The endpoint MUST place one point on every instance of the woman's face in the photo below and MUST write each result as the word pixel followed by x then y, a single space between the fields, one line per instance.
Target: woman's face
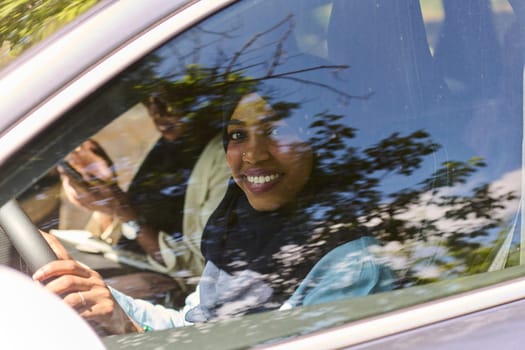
pixel 169 126
pixel 167 122
pixel 268 160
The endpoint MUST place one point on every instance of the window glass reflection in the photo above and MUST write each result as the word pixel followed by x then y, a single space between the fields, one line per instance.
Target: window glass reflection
pixel 405 135
pixel 309 149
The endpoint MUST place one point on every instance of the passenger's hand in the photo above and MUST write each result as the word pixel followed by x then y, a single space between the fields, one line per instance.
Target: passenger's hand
pixel 85 291
pixel 92 163
pixel 95 186
pixel 103 197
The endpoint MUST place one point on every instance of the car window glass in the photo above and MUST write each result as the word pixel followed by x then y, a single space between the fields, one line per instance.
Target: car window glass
pixel 396 135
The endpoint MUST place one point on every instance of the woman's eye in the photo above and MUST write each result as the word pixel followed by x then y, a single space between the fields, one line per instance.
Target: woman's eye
pixel 236 135
pixel 281 133
pixel 274 131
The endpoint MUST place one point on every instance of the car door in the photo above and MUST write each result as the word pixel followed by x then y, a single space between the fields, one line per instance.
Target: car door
pixel 413 108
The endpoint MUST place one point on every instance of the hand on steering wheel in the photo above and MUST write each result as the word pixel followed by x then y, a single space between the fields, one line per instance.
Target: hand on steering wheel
pixel 84 290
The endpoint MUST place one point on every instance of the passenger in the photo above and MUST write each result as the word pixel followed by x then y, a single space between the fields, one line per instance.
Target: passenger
pixel 263 245
pixel 178 185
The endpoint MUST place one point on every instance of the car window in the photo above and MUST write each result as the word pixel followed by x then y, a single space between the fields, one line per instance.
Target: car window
pixel 329 158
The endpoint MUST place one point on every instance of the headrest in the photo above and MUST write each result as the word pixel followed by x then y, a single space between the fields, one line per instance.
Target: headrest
pixel 468 51
pixel 384 43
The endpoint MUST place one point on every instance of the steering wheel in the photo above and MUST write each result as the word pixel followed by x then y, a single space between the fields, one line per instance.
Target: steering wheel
pixel 25 237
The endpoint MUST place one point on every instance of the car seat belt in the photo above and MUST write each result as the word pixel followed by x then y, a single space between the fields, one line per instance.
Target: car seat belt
pixel 500 260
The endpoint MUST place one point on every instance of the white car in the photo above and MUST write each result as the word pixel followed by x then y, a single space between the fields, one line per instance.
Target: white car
pixel 415 109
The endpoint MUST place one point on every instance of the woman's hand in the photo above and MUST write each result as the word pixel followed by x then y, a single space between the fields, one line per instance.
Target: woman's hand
pixel 57 247
pixel 90 181
pixel 85 291
pixel 92 163
pixel 104 197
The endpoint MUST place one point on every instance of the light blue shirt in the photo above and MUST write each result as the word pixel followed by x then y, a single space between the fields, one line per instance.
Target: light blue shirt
pixel 350 270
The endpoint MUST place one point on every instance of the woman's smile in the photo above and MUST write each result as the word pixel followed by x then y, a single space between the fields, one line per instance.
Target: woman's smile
pixel 260 180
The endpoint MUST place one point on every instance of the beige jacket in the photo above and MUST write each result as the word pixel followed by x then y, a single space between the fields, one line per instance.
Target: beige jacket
pixel 206 188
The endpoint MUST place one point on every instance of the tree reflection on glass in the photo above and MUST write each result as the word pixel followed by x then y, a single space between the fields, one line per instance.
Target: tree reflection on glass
pixel 435 228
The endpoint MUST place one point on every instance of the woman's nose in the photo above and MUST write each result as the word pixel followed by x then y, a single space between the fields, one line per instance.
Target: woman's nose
pixel 256 150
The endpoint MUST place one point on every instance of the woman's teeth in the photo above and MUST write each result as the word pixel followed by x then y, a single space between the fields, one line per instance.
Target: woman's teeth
pixel 262 179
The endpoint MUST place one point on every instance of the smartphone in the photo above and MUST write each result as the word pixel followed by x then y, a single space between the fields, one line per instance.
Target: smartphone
pixel 68 168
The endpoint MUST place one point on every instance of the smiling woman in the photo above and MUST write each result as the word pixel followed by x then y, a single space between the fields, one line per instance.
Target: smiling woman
pixel 262 241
